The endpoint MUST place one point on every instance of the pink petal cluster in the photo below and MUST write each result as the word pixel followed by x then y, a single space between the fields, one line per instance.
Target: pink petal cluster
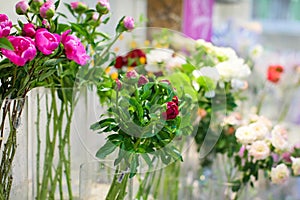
pixel 22 7
pixel 46 42
pixel 74 49
pixel 103 7
pixel 47 10
pixel 28 30
pixel 5 25
pixel 128 23
pixel 24 50
pixel 79 7
pixel 104 3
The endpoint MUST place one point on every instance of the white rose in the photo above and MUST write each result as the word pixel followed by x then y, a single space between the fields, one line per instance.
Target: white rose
pixel 279 142
pixel 296 166
pixel 280 174
pixel 233 69
pixel 260 130
pixel 259 150
pixel 226 52
pixel 279 130
pixel 262 119
pixel 245 135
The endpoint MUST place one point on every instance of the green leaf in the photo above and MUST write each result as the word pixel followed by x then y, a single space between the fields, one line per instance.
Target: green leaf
pixel 102 123
pixel 57 4
pixel 105 150
pixel 52 62
pixel 207 83
pixel 6 44
pixel 188 68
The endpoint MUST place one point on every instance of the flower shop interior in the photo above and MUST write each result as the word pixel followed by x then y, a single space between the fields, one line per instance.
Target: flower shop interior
pixel 150 99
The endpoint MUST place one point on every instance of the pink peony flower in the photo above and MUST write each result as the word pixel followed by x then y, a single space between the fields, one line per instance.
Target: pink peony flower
pixel 22 7
pixel 79 7
pixel 131 74
pixel 5 25
pixel 46 42
pixel 103 6
pixel 128 23
pixel 24 50
pixel 47 10
pixel 142 80
pixel 28 30
pixel 74 49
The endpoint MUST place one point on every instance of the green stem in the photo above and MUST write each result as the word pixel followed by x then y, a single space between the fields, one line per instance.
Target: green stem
pixel 38 145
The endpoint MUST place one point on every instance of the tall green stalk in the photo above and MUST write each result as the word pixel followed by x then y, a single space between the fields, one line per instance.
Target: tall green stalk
pixel 57 144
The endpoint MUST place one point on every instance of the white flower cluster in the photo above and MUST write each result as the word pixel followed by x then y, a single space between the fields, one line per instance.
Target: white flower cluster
pixel 229 65
pixel 262 140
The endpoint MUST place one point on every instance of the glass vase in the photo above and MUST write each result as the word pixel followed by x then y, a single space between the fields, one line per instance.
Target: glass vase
pixel 14 149
pixel 99 180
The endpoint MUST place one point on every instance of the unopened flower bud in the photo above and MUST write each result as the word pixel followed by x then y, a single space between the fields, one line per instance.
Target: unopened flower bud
pixel 22 7
pixel 103 7
pixel 47 10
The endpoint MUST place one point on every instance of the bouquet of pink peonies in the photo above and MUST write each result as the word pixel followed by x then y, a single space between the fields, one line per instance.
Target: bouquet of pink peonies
pixel 43 51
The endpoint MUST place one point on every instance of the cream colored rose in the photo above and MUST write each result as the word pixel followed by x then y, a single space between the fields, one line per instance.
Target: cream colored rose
pixel 279 130
pixel 233 69
pixel 245 135
pixel 261 119
pixel 280 174
pixel 296 166
pixel 279 142
pixel 259 150
pixel 260 130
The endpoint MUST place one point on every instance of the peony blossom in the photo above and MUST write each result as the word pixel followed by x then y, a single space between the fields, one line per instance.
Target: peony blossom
pixel 280 174
pixel 47 10
pixel 22 7
pixel 128 23
pixel 103 7
pixel 259 129
pixel 24 50
pixel 259 150
pixel 132 74
pixel 79 7
pixel 74 49
pixel 28 30
pixel 171 112
pixel 279 142
pixel 5 25
pixel 142 80
pixel 296 166
pixel 46 42
pixel 245 135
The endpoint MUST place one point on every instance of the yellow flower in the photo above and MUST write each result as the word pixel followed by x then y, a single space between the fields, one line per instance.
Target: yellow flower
pixel 142 60
pixel 114 75
pixel 121 37
pixel 146 42
pixel 107 70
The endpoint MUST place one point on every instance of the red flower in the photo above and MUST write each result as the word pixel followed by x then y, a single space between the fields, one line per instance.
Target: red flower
pixel 119 62
pixel 135 57
pixel 274 73
pixel 172 111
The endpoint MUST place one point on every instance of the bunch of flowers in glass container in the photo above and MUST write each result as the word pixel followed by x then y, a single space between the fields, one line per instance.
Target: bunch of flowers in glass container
pixel 143 120
pixel 42 50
